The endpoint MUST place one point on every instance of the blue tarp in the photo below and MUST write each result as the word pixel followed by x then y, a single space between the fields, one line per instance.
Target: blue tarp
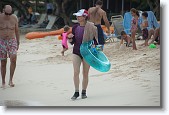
pixel 152 21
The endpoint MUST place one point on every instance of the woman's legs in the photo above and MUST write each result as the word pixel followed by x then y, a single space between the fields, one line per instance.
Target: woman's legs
pixel 86 68
pixel 76 66
pixel 85 75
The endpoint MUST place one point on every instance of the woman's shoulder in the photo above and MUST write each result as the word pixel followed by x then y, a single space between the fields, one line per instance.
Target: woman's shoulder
pixel 90 23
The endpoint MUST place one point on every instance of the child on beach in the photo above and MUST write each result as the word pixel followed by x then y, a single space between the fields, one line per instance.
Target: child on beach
pixel 134 24
pixel 144 26
pixel 126 38
pixel 64 39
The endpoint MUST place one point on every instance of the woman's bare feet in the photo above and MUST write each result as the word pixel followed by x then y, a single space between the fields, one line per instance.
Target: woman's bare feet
pixel 11 84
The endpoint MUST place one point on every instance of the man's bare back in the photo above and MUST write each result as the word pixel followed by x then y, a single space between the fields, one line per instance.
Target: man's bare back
pixel 96 14
pixel 8 25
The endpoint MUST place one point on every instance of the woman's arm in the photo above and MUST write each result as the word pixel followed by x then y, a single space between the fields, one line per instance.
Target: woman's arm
pixel 71 38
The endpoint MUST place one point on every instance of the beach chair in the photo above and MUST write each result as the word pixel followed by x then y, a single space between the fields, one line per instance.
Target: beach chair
pixel 42 18
pixel 48 24
pixel 51 23
pixel 117 23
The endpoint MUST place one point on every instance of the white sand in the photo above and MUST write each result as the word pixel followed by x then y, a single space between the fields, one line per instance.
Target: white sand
pixel 45 78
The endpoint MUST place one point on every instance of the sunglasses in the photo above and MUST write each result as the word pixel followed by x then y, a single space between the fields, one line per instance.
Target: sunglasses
pixel 8 13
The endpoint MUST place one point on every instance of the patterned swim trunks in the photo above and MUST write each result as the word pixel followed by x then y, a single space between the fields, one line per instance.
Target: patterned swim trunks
pixel 145 33
pixel 7 46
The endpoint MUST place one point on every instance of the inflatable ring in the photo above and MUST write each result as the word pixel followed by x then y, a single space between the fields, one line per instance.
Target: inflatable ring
pixel 96 59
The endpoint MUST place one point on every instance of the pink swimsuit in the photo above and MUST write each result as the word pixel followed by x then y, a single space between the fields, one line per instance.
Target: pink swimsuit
pixel 64 40
pixel 133 24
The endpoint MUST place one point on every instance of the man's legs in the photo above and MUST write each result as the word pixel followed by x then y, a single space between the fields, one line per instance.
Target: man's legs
pixel 12 69
pixel 3 71
pixel 100 35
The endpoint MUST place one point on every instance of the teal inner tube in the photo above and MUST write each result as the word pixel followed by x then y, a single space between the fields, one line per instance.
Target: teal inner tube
pixel 96 59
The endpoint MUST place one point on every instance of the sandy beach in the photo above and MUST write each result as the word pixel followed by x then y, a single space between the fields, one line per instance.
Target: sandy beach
pixel 45 78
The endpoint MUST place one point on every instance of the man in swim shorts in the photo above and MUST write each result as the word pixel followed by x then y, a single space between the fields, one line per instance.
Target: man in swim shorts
pixel 95 15
pixel 9 42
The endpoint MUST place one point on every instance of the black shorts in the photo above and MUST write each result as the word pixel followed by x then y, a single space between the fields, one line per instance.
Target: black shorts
pixel 100 34
pixel 145 33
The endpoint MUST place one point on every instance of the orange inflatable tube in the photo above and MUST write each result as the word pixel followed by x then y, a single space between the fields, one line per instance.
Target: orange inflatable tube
pixel 34 35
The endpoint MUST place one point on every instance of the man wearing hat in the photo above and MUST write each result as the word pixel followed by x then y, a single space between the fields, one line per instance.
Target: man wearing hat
pixel 9 42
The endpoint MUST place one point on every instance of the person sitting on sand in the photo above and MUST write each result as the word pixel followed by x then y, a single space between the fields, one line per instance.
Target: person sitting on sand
pixel 156 36
pixel 64 39
pixel 126 38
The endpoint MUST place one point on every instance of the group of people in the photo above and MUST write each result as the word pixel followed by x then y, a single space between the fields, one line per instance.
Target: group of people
pixel 146 33
pixel 88 28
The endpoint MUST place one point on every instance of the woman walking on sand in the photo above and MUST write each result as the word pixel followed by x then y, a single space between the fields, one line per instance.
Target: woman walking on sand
pixel 82 32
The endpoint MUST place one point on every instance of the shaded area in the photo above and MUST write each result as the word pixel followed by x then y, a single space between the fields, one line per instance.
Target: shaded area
pixel 11 103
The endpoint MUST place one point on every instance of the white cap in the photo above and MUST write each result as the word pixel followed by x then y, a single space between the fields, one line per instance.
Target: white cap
pixel 81 12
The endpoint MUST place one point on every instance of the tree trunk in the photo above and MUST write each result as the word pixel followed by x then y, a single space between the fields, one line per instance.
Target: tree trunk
pixel 64 9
